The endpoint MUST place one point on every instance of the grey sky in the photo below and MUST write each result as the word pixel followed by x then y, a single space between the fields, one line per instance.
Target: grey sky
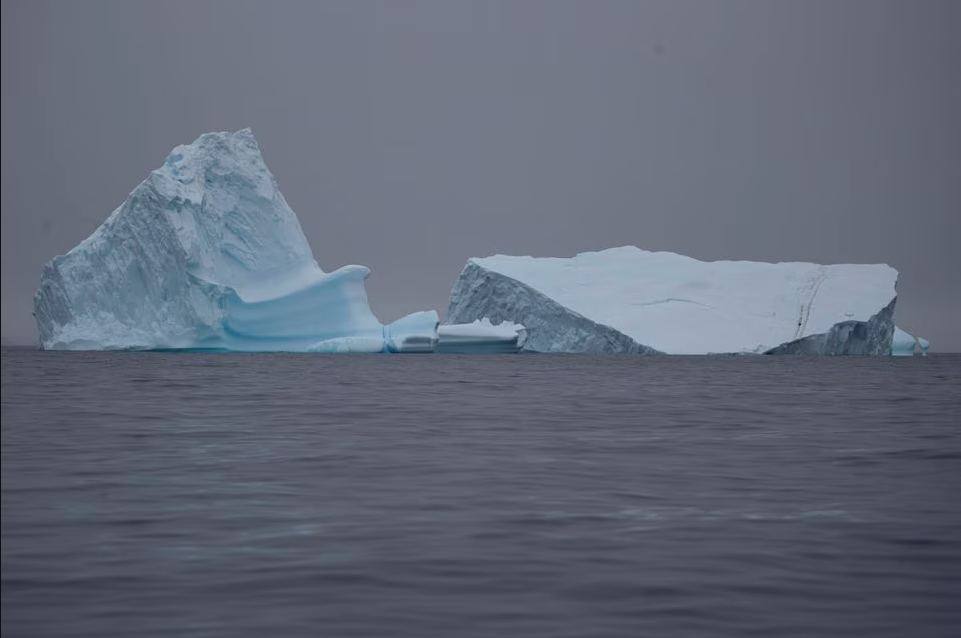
pixel 409 136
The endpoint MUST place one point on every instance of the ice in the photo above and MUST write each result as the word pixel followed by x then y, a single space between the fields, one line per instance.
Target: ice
pixel 631 300
pixel 416 332
pixel 206 253
pixel 348 345
pixel 481 337
pixel 904 344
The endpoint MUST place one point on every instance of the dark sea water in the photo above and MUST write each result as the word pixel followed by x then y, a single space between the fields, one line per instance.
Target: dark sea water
pixel 279 495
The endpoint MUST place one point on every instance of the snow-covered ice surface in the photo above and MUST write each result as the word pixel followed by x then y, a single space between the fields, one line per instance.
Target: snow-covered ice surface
pixel 631 300
pixel 481 337
pixel 206 253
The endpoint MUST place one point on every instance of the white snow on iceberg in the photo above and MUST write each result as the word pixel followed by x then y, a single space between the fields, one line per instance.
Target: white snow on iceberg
pixel 632 300
pixel 206 253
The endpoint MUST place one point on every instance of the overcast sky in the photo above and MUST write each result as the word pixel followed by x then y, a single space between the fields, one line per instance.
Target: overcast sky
pixel 409 136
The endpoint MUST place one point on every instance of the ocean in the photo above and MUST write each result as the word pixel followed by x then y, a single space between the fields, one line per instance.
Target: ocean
pixel 176 494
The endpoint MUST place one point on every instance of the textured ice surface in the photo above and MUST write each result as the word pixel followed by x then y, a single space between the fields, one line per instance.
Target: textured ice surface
pixel 631 300
pixel 206 253
pixel 480 337
pixel 904 344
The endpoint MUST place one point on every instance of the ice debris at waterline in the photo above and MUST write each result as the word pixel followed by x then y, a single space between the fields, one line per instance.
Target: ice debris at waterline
pixel 481 337
pixel 636 301
pixel 206 253
pixel 904 344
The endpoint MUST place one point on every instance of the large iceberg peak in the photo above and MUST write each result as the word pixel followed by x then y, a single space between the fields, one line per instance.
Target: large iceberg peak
pixel 206 253
pixel 229 216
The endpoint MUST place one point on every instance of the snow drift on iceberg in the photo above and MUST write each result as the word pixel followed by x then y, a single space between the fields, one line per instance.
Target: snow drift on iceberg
pixel 636 301
pixel 206 253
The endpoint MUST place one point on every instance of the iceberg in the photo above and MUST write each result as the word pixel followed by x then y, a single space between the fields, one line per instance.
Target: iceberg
pixel 904 344
pixel 628 300
pixel 481 337
pixel 206 254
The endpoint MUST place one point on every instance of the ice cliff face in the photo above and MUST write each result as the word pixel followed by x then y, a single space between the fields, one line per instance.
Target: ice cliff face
pixel 636 301
pixel 206 253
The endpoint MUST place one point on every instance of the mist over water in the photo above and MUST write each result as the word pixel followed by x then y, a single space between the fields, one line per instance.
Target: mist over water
pixel 195 494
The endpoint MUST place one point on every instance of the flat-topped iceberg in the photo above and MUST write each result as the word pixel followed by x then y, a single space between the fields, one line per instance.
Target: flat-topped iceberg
pixel 206 253
pixel 636 301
